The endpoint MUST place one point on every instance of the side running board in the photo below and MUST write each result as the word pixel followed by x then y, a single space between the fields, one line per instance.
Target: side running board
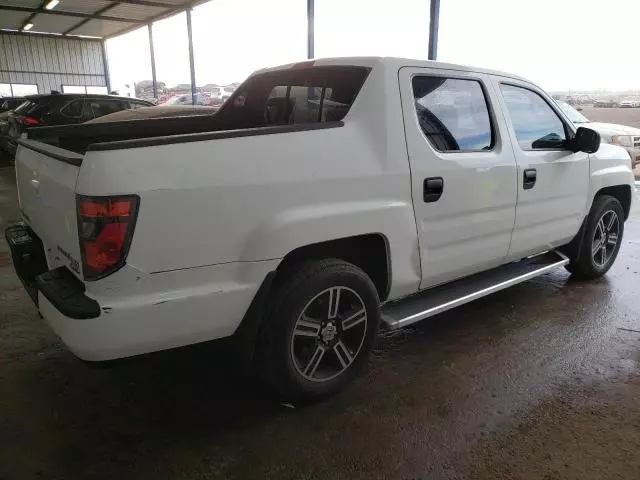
pixel 445 297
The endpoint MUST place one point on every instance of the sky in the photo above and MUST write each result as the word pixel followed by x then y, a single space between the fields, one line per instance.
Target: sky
pixel 558 44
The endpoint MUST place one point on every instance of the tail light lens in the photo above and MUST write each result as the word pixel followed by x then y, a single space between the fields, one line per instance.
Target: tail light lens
pixel 30 121
pixel 105 229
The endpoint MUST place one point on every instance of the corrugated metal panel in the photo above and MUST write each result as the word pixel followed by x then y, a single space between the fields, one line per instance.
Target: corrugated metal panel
pixel 50 62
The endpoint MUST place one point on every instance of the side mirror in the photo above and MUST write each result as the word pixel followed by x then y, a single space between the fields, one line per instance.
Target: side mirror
pixel 586 140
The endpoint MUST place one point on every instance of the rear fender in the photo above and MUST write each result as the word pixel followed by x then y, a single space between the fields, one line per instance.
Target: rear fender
pixel 297 227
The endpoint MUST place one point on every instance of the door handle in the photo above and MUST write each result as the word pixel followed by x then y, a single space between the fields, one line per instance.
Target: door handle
pixel 529 178
pixel 433 188
pixel 35 183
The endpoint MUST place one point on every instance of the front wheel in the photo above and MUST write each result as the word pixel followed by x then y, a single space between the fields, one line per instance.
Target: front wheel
pixel 319 331
pixel 601 239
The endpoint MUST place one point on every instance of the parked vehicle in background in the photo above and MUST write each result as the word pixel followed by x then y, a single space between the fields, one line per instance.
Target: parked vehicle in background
pixel 322 200
pixel 4 132
pixel 216 95
pixel 186 99
pixel 7 104
pixel 219 95
pixel 579 99
pixel 10 103
pixel 605 103
pixel 629 103
pixel 227 92
pixel 63 109
pixel 625 136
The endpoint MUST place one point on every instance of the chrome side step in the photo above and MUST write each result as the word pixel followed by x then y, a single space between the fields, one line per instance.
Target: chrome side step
pixel 445 297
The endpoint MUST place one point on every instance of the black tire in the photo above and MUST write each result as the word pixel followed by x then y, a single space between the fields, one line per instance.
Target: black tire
pixel 583 263
pixel 303 289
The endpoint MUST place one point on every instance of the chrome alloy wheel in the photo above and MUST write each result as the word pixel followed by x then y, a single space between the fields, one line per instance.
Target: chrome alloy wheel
pixel 605 238
pixel 329 334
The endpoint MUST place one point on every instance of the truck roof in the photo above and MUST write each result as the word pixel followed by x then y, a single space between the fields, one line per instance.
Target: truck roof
pixel 389 62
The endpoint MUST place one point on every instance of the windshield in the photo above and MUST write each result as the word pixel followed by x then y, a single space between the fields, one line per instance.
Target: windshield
pixel 574 115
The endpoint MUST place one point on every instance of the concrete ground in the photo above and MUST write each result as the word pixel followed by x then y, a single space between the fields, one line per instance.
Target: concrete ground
pixel 540 381
pixel 621 116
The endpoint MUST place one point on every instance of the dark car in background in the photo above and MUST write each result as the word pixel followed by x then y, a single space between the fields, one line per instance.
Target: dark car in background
pixel 63 109
pixel 7 104
pixel 10 103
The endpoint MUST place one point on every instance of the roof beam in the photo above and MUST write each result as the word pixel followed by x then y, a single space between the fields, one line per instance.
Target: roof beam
pixel 30 17
pixel 175 9
pixel 148 3
pixel 86 20
pixel 90 16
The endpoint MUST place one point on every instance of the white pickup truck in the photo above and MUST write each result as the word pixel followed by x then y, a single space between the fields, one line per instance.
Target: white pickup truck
pixel 323 200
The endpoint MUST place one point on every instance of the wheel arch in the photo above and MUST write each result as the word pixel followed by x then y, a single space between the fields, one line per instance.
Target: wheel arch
pixel 622 193
pixel 370 252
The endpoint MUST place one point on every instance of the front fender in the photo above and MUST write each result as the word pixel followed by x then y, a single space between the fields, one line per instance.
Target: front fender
pixel 610 166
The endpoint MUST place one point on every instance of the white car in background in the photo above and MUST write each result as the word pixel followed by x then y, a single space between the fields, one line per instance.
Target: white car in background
pixel 227 91
pixel 629 103
pixel 221 94
pixel 623 135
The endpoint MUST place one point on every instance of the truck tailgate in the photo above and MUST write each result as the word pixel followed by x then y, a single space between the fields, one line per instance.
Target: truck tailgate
pixel 46 178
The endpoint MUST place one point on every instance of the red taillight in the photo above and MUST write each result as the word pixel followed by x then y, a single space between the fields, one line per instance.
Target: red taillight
pixel 105 228
pixel 30 121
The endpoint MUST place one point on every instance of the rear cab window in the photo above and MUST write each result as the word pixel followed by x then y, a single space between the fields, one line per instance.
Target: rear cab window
pixel 294 96
pixel 453 113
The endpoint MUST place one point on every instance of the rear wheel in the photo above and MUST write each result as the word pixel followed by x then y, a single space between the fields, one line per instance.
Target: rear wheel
pixel 601 239
pixel 319 331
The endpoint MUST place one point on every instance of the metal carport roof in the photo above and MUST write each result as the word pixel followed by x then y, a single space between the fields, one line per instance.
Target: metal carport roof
pixel 108 18
pixel 91 18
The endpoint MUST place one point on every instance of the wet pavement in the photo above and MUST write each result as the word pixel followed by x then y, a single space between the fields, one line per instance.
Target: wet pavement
pixel 540 381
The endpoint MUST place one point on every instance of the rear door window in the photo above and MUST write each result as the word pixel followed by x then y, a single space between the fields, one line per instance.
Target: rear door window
pixel 453 113
pixel 72 110
pixel 100 107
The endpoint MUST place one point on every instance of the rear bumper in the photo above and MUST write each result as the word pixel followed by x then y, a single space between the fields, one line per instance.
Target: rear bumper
pixel 27 255
pixel 130 313
pixel 59 286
